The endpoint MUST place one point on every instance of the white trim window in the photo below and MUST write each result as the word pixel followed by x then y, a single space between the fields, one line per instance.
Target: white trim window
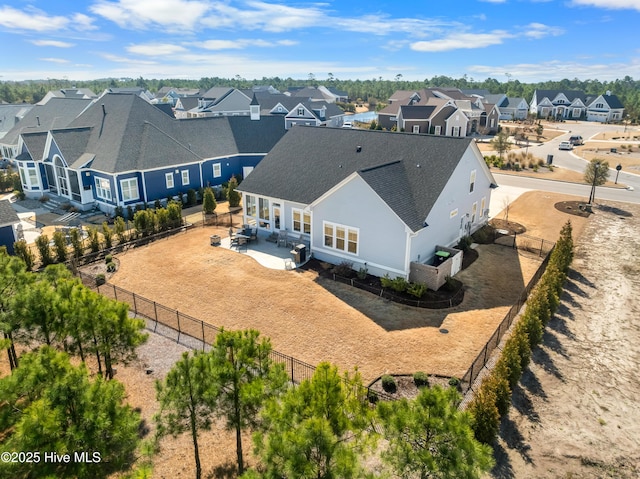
pixel 483 205
pixel 472 181
pixel 340 237
pixel 129 189
pixel 103 188
pixel 185 177
pixel 217 170
pixel 437 130
pixel 168 179
pixel 32 174
pixel 301 221
pixel 263 208
pixel 250 205
pixel 474 211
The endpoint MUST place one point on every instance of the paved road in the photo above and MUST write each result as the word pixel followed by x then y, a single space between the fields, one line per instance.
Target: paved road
pixel 512 186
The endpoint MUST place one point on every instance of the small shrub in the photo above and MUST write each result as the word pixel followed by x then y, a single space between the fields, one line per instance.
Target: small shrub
pixel 363 272
pixel 108 258
pixel 344 269
pixel 43 199
pixel 118 212
pixel 451 284
pixel 386 281
pixel 465 243
pixel 389 384
pixel 100 279
pixel 417 289
pixel 421 379
pixel 535 168
pixel 399 284
pixel 551 168
pixel 484 235
pixel 111 267
pixel 454 382
pixel 372 396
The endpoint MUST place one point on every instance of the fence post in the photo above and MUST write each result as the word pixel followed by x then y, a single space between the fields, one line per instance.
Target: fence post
pixel 155 314
pixel 115 293
pixel 471 375
pixel 135 306
pixel 178 316
pixel 292 380
pixel 202 324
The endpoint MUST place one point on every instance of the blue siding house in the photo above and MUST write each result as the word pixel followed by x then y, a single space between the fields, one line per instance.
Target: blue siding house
pixel 8 223
pixel 124 151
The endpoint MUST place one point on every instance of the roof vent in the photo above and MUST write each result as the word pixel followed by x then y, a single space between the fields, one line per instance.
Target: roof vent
pixel 418 165
pixel 358 148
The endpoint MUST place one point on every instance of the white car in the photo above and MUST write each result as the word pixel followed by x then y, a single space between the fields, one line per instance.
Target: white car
pixel 565 145
pixel 347 124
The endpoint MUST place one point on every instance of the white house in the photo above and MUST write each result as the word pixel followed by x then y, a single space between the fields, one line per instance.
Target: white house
pixel 373 198
pixel 605 108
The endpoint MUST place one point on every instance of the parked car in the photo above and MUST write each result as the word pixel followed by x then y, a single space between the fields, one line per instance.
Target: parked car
pixel 347 124
pixel 576 140
pixel 565 145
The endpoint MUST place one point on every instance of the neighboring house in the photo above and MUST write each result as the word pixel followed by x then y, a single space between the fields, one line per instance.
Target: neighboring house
pixel 55 113
pixel 123 151
pixel 559 104
pixel 185 104
pixel 379 200
pixel 514 109
pixel 221 101
pixel 171 95
pixel 72 93
pixel 321 93
pixel 403 113
pixel 9 223
pixel 10 116
pixel 314 113
pixel 605 108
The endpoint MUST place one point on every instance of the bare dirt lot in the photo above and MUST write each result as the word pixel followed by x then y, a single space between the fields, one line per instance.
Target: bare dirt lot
pixel 575 413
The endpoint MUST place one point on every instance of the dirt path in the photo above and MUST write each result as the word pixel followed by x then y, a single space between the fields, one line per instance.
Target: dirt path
pixel 576 412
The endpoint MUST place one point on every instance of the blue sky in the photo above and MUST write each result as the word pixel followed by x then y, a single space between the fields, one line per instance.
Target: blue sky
pixel 527 40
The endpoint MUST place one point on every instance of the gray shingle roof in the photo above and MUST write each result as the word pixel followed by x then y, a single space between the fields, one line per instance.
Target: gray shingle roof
pixel 8 215
pixel 56 113
pixel 417 112
pixel 35 143
pixel 130 134
pixel 309 161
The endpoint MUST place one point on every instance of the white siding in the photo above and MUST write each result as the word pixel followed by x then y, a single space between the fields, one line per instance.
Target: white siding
pixel 382 236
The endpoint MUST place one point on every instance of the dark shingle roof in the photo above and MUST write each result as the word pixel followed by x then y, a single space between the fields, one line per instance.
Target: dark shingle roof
pixel 126 133
pixel 35 143
pixel 309 161
pixel 8 215
pixel 56 113
pixel 551 94
pixel 613 101
pixel 417 112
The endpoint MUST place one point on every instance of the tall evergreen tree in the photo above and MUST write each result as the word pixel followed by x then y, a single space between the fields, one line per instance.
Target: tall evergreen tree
pixel 430 438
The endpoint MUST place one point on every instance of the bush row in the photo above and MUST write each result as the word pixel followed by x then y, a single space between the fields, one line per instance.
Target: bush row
pixel 493 398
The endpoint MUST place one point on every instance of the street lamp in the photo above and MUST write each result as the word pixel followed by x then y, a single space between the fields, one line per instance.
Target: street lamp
pixel 618 168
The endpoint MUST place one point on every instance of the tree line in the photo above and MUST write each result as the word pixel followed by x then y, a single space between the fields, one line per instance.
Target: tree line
pixel 373 91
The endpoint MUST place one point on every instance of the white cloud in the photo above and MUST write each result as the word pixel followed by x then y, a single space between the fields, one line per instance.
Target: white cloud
pixel 120 59
pixel 539 30
pixel 54 60
pixel 144 14
pixel 242 43
pixel 559 69
pixel 156 49
pixel 610 4
pixel 461 41
pixel 52 43
pixel 31 19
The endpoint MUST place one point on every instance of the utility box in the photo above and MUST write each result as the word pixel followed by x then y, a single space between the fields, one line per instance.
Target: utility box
pixel 215 240
pixel 549 159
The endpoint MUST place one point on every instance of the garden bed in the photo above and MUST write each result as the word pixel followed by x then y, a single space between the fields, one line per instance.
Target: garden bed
pixel 451 294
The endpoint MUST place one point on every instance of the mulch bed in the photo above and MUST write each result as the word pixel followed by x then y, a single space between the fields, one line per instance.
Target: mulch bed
pixel 573 208
pixel 374 284
pixel 406 387
pixel 510 226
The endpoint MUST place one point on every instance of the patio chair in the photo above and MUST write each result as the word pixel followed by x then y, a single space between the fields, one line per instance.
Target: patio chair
pixel 282 238
pixel 254 234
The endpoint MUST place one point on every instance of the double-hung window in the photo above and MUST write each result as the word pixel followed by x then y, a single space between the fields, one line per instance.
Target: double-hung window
pixel 301 221
pixel 185 177
pixel 217 170
pixel 250 205
pixel 168 178
pixel 340 237
pixel 103 189
pixel 129 189
pixel 472 181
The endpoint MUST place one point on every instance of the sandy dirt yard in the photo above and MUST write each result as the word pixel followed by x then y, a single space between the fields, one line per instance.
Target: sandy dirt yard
pixel 576 413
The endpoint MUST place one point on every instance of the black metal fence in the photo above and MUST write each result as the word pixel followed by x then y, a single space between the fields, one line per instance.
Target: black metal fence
pixel 454 300
pixel 476 366
pixel 524 242
pixel 194 333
